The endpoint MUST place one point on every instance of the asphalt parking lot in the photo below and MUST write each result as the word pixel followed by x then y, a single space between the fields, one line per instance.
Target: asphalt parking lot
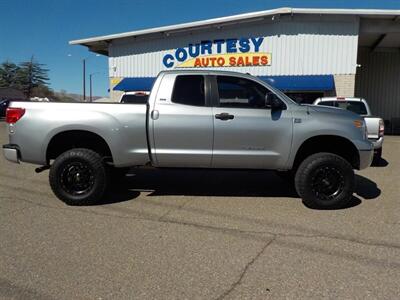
pixel 200 235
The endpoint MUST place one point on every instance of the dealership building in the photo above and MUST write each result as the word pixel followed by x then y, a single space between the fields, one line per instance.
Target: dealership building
pixel 307 53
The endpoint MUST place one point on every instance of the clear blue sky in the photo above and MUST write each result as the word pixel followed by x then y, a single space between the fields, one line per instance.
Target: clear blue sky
pixel 43 28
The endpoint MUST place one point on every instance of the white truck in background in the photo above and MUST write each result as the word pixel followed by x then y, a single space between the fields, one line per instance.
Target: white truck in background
pixel 375 125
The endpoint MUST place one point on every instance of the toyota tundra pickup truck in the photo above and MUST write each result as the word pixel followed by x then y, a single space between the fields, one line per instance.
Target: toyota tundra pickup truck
pixel 192 119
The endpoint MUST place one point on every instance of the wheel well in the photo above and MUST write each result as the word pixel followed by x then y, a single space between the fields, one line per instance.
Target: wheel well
pixel 67 140
pixel 328 143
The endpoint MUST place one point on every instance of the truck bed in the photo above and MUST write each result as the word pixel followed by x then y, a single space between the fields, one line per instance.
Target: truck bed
pixel 122 126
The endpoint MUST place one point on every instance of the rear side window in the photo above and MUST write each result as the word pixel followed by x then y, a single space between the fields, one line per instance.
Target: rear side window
pixel 327 103
pixel 189 90
pixel 135 99
pixel 240 93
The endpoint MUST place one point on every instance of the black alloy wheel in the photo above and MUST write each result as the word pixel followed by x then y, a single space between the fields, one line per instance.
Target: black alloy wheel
pixel 79 177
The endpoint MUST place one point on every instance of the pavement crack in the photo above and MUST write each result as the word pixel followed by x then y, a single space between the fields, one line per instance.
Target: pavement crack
pixel 246 233
pixel 172 209
pixel 245 270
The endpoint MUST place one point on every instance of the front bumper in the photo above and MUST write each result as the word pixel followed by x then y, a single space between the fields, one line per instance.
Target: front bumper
pixel 366 157
pixel 11 153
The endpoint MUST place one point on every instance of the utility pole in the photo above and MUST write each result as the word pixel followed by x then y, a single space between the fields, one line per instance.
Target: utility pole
pixel 84 80
pixel 90 83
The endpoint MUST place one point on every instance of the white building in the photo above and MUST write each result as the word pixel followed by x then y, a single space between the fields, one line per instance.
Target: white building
pixel 305 52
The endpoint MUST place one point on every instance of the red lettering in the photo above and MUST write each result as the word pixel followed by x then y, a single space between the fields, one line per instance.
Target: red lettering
pixel 256 60
pixel 240 61
pixel 221 61
pixel 232 61
pixel 264 60
pixel 213 59
pixel 205 61
pixel 197 62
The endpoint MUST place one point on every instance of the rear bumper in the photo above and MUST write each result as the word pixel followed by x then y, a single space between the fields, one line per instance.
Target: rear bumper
pixel 11 153
pixel 377 142
pixel 366 157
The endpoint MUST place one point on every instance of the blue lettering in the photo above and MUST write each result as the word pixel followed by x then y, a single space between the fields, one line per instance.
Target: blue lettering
pixel 231 45
pixel 257 43
pixel 219 45
pixel 181 54
pixel 194 50
pixel 168 60
pixel 244 45
pixel 206 46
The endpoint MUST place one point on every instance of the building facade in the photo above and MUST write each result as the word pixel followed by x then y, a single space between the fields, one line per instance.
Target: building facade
pixel 308 53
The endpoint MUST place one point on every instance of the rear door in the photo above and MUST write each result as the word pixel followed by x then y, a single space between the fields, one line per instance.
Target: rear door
pixel 182 122
pixel 248 134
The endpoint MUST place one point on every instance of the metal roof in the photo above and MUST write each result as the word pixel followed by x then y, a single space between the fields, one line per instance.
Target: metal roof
pixel 99 44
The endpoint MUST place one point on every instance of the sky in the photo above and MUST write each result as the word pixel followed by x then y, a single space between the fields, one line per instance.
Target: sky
pixel 43 28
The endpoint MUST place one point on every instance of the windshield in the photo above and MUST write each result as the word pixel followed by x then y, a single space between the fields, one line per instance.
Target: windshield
pixel 357 107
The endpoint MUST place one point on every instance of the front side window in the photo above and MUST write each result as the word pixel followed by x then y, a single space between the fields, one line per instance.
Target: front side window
pixel 238 92
pixel 189 90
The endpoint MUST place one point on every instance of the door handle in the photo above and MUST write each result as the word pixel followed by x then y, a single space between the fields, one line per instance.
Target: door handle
pixel 224 116
pixel 155 114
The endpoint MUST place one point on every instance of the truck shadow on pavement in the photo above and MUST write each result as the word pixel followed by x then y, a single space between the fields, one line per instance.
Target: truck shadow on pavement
pixel 217 183
pixel 380 163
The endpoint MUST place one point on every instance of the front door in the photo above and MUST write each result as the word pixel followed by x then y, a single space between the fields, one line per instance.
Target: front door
pixel 248 134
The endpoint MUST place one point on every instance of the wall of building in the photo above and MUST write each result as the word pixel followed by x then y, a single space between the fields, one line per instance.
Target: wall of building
pixel 299 45
pixel 378 81
pixel 344 85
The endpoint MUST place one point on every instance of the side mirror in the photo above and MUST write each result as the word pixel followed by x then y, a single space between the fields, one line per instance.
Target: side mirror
pixel 273 102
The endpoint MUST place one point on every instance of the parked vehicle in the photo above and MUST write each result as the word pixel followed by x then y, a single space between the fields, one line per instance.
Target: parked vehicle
pixel 135 97
pixel 193 119
pixel 375 125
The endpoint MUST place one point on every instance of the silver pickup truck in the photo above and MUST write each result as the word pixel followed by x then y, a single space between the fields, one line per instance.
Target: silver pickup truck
pixel 193 119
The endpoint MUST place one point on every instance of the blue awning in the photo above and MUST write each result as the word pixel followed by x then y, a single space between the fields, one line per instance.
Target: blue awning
pixel 284 83
pixel 135 84
pixel 301 83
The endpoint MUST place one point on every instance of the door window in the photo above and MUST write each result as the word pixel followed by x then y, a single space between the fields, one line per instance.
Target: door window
pixel 238 92
pixel 189 90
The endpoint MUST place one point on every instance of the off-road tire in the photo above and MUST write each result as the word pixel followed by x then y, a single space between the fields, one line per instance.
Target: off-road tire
pixel 310 184
pixel 91 164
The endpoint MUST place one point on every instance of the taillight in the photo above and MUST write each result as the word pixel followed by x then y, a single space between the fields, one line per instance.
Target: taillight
pixel 13 114
pixel 381 128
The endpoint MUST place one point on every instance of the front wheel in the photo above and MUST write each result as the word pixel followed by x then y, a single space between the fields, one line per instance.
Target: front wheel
pixel 78 177
pixel 325 181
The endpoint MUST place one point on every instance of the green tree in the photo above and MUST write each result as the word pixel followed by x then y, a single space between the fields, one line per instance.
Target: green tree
pixel 30 75
pixel 8 75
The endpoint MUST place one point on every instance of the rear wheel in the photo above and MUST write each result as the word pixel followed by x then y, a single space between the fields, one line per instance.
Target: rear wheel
pixel 78 177
pixel 325 181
